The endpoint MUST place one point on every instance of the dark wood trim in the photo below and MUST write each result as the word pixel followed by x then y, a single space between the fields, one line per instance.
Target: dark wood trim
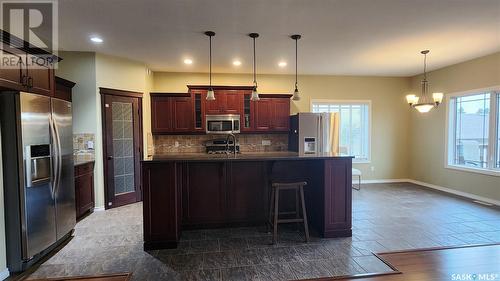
pixel 116 92
pixel 168 95
pixel 64 82
pixel 138 175
pixel 219 87
pixel 276 96
pixel 8 38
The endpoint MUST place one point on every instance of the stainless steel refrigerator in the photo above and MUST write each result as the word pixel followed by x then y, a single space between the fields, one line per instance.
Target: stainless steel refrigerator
pixel 37 149
pixel 314 133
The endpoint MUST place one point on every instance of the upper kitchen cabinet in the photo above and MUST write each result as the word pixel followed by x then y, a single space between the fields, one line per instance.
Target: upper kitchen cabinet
pixel 226 102
pixel 28 72
pixel 13 78
pixel 272 113
pixel 171 113
pixel 64 89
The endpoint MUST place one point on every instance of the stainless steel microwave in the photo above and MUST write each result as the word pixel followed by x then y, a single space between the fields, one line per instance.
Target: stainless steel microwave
pixel 223 124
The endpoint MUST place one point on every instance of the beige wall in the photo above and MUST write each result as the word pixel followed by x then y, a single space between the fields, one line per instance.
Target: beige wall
pixel 427 144
pixel 90 71
pixel 390 114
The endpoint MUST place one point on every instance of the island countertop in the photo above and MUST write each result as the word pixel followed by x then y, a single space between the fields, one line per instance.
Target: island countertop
pixel 245 156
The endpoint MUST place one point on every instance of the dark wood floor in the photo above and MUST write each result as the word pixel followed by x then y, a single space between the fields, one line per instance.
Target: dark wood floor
pixel 441 264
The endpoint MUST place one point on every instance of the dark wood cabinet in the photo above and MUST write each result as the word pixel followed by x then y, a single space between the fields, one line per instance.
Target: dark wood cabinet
pixel 84 188
pixel 204 193
pixel 280 114
pixel 64 89
pixel 13 78
pixel 226 102
pixel 193 194
pixel 246 191
pixel 176 113
pixel 25 74
pixel 171 113
pixel 272 114
pixel 40 78
pixel 263 114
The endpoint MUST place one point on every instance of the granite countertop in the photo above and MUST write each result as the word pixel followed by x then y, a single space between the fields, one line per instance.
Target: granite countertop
pixel 245 156
pixel 82 162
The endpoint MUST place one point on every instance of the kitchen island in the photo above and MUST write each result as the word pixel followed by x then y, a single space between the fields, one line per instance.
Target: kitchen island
pixel 193 191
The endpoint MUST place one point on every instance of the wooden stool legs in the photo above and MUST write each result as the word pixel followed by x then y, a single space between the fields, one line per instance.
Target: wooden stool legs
pixel 274 220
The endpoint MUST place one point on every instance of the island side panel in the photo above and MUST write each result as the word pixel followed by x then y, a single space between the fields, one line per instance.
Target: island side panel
pixel 161 209
pixel 338 198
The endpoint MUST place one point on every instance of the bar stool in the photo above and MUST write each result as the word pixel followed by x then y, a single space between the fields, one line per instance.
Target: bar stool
pixel 274 213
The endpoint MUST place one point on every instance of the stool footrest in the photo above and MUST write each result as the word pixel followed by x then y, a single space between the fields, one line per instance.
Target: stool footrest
pixel 289 220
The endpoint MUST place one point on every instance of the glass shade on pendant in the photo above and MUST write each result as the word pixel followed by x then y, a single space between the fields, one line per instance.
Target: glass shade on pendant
pixel 296 95
pixel 437 97
pixel 210 94
pixel 423 108
pixel 255 95
pixel 412 99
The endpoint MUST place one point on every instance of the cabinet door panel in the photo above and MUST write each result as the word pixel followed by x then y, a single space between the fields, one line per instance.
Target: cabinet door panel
pixel 216 106
pixel 182 114
pixel 41 78
pixel 84 192
pixel 161 114
pixel 203 194
pixel 10 78
pixel 234 102
pixel 247 192
pixel 263 114
pixel 281 115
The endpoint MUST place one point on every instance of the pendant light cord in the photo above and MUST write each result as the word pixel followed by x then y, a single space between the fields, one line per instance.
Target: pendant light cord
pixel 210 62
pixel 254 67
pixel 296 62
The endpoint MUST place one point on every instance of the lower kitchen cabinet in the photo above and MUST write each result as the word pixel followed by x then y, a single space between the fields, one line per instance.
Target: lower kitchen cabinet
pixel 84 188
pixel 223 192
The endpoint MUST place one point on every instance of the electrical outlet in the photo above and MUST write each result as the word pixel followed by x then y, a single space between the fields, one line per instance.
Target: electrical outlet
pixel 176 144
pixel 372 168
pixel 90 145
pixel 266 142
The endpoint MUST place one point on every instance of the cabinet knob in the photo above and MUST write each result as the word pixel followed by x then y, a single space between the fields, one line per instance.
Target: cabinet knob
pixel 23 80
pixel 30 82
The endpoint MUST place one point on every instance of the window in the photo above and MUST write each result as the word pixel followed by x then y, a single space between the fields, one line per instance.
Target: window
pixel 473 131
pixel 354 134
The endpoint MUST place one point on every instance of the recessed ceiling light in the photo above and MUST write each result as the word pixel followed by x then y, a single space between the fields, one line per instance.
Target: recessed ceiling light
pixel 282 64
pixel 188 61
pixel 96 39
pixel 236 62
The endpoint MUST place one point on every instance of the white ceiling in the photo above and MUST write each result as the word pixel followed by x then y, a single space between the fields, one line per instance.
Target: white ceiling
pixel 348 37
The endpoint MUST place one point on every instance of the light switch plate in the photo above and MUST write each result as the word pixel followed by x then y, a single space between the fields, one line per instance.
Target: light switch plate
pixel 266 142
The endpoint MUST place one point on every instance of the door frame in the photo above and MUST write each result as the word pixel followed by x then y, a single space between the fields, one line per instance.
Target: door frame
pixel 129 94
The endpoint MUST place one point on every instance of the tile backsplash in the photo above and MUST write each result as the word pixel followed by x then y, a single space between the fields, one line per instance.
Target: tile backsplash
pixel 83 147
pixel 163 144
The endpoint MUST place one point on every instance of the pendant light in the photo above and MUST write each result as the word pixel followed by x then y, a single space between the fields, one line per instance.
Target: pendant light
pixel 296 95
pixel 424 103
pixel 255 94
pixel 210 93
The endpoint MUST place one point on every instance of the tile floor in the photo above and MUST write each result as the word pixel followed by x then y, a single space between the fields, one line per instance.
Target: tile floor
pixel 386 217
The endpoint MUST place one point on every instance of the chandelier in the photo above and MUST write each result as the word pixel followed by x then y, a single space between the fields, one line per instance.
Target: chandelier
pixel 424 102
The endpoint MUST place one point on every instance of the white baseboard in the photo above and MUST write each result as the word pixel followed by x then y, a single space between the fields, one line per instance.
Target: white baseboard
pixel 4 274
pixel 99 209
pixel 433 186
pixel 355 180
pixel 457 192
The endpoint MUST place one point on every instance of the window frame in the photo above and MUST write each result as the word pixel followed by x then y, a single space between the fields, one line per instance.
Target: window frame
pixel 353 102
pixel 450 131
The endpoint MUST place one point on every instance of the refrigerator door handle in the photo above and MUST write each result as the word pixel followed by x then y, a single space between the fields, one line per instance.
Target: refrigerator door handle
pixel 59 158
pixel 55 166
pixel 320 134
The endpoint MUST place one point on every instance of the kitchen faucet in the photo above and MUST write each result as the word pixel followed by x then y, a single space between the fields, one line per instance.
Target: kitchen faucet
pixel 234 143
